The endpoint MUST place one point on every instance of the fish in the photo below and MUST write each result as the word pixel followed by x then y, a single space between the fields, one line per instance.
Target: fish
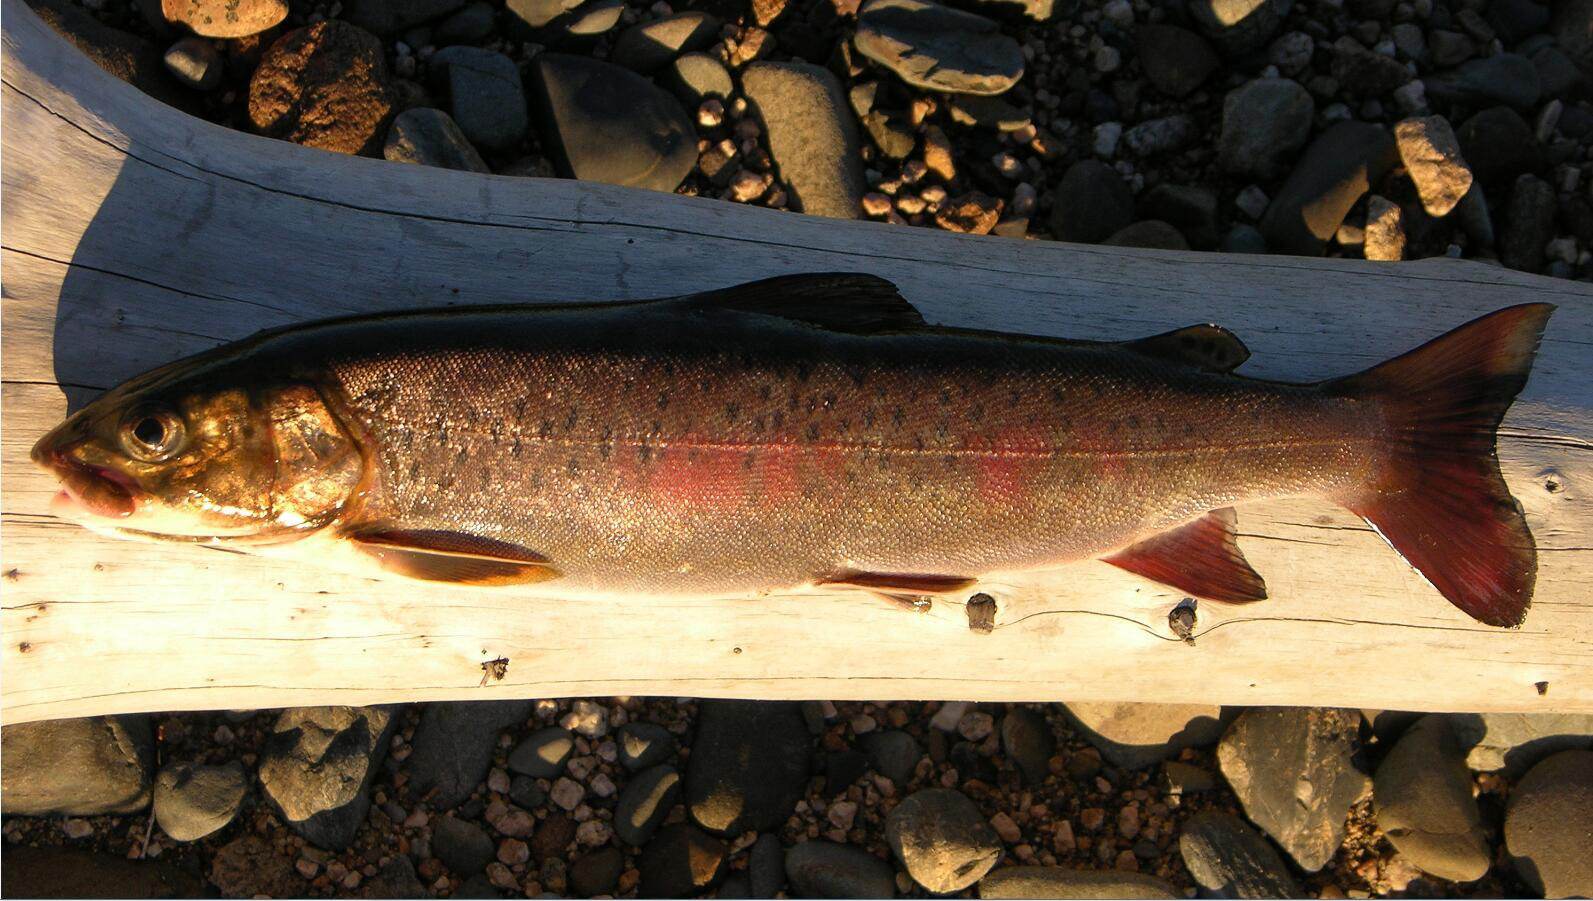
pixel 800 431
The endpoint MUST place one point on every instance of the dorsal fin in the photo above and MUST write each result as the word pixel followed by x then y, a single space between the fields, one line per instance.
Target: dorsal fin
pixel 840 301
pixel 1211 348
pixel 1201 557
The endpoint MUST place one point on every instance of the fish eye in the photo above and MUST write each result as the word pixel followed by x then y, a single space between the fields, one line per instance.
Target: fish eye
pixel 152 435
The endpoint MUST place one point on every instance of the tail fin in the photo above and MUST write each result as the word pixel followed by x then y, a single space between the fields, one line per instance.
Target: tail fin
pixel 1439 498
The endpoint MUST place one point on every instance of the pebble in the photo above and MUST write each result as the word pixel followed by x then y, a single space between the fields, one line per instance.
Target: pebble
pixel 196 63
pixel 1105 138
pixel 1424 804
pixel 974 213
pixel 597 873
pixel 1364 73
pixel 1264 124
pixel 1385 230
pixel 942 839
pixel 1025 735
pixel 949 715
pixel 811 134
pixel 1498 145
pixel 1291 768
pixel 429 137
pixel 1133 736
pixel 453 747
pixel 1157 136
pixel 82 766
pixel 463 847
pixel 605 123
pixel 823 869
pixel 1176 60
pixel 694 77
pixel 1148 233
pixel 1547 823
pixel 1239 26
pixel 485 95
pixel 192 802
pixel 649 46
pixel 644 802
pixel 681 861
pixel 643 745
pixel 324 86
pixel 1062 882
pixel 1337 169
pixel 317 765
pixel 1431 155
pixel 471 24
pixel 75 828
pixel 1230 860
pixel 1252 201
pixel 975 725
pixel 224 18
pixel 513 852
pixel 937 47
pixel 1292 52
pixel 1090 203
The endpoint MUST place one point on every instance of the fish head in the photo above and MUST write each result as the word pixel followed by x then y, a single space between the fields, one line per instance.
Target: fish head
pixel 199 452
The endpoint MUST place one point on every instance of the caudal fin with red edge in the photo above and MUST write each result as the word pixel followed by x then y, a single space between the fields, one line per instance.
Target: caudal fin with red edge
pixel 1439 498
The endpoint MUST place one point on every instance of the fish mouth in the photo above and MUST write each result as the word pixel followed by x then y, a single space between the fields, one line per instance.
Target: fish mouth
pixel 97 491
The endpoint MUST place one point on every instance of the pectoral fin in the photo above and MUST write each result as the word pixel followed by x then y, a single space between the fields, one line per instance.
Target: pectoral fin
pixel 441 556
pixel 1201 558
pixel 913 591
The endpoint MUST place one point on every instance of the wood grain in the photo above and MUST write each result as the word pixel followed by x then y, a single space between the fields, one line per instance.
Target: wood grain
pixel 134 234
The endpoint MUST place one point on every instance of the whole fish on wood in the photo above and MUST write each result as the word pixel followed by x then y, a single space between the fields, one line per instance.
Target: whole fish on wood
pixel 796 431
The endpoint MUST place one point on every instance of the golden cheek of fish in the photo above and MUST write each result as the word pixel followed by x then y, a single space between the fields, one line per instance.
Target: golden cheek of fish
pixel 796 431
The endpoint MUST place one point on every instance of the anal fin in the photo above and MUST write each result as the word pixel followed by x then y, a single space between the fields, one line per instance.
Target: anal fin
pixel 1201 558
pixel 435 555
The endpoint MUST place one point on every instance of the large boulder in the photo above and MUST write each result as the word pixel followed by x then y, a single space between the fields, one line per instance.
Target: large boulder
pixel 1548 824
pixel 453 747
pixel 76 767
pixel 1424 804
pixel 317 765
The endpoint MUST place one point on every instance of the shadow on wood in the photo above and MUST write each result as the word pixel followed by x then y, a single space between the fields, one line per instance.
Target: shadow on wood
pixel 134 234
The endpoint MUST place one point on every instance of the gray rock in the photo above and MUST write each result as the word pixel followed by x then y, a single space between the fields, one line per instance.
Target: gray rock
pixel 1176 60
pixel 1449 48
pixel 648 46
pixel 1243 239
pixel 1230 860
pixel 1190 209
pixel 463 846
pixel 485 95
pixel 1062 882
pixel 938 48
pixel 1158 136
pixel 812 135
pixel 196 63
pixel 395 879
pixel 1473 218
pixel 1338 168
pixel 76 767
pixel 1133 736
pixel 192 802
pixel 1572 26
pixel 1431 155
pixel 1557 75
pixel 1528 224
pixel 681 861
pixel 766 867
pixel 942 839
pixel 388 17
pixel 429 137
pixel 1498 144
pixel 605 123
pixel 748 766
pixel 1292 52
pixel 695 77
pixel 543 753
pixel 643 744
pixel 1264 123
pixel 1239 26
pixel 1547 824
pixel 823 869
pixel 317 765
pixel 597 873
pixel 1513 742
pixel 1363 73
pixel 470 25
pixel 1383 239
pixel 1090 203
pixel 1507 78
pixel 893 753
pixel 524 791
pixel 1026 738
pixel 644 802
pixel 1150 233
pixel 1291 769
pixel 453 747
pixel 1422 793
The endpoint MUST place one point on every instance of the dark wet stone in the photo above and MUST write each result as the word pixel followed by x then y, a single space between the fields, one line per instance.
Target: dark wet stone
pixel 1176 60
pixel 1026 738
pixel 748 766
pixel 602 122
pixel 77 767
pixel 1506 78
pixel 543 753
pixel 1363 73
pixel 824 869
pixel 453 747
pixel 842 768
pixel 644 802
pixel 597 873
pixel 484 95
pixel 1498 145
pixel 1337 170
pixel 680 861
pixel 1090 203
pixel 766 867
pixel 463 846
pixel 1192 210
pixel 649 46
pixel 1264 124
pixel 470 25
pixel 1228 859
pixel 1149 233
pixel 1528 224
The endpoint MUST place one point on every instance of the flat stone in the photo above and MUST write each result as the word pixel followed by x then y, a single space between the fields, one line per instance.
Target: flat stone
pixel 429 137
pixel 192 802
pixel 1176 60
pixel 1506 78
pixel 938 48
pixel 1291 769
pixel 543 753
pixel 812 135
pixel 1547 824
pixel 597 873
pixel 196 63
pixel 594 18
pixel 644 802
pixel 1090 203
pixel 389 17
pixel 1230 860
pixel 695 77
pixel 942 839
pixel 1528 224
pixel 748 765
pixel 452 747
pixel 324 86
pixel 1422 793
pixel 823 869
pixel 643 744
pixel 681 861
pixel 79 873
pixel 485 96
pixel 602 122
pixel 766 867
pixel 1338 168
pixel 1513 742
pixel 225 18
pixel 1150 233
pixel 76 767
pixel 1134 736
pixel 317 765
pixel 1264 123
pixel 1431 154
pixel 1239 26
pixel 1027 740
pixel 1063 882
pixel 649 46
pixel 463 846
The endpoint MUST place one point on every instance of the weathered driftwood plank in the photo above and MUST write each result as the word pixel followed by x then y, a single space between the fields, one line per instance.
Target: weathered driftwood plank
pixel 134 234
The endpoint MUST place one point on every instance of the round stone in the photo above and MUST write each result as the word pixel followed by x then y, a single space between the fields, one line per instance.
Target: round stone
pixel 324 86
pixel 1548 823
pixel 942 839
